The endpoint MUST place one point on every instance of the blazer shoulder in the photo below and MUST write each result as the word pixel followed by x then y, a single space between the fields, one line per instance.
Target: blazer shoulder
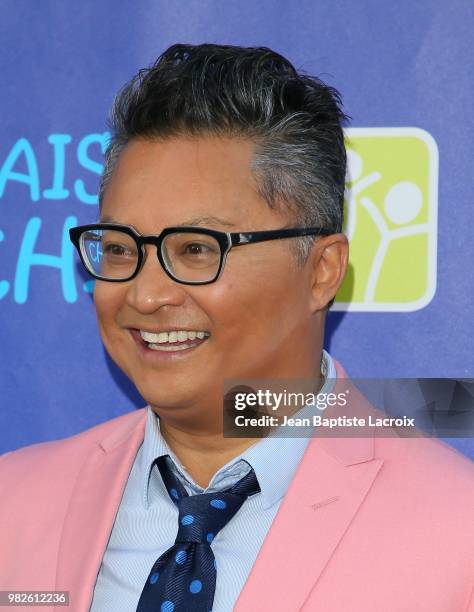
pixel 429 466
pixel 48 457
pixel 37 481
pixel 432 453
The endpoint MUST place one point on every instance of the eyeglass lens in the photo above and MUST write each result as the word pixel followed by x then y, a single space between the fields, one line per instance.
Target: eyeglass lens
pixel 113 254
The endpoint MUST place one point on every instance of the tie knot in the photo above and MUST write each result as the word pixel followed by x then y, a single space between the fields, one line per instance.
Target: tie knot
pixel 202 516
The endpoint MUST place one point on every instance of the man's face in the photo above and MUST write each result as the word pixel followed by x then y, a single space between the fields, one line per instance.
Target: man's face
pixel 257 313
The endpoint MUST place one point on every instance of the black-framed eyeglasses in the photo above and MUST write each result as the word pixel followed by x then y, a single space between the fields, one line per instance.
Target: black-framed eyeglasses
pixel 189 255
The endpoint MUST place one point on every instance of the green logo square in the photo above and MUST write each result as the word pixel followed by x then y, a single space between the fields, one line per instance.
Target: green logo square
pixel 390 219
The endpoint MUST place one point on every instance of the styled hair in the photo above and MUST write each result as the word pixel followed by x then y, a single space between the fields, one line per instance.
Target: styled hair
pixel 295 121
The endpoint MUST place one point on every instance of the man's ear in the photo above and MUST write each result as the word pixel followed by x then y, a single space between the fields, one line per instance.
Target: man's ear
pixel 328 260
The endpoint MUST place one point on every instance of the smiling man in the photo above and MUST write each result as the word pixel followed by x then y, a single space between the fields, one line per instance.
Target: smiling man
pixel 243 324
pixel 217 254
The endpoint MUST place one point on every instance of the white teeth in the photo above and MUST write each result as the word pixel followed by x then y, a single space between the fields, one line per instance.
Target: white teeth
pixel 172 336
pixel 149 337
pixel 169 349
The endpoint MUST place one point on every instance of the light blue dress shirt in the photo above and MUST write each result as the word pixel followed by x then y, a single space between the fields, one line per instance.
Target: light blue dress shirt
pixel 147 520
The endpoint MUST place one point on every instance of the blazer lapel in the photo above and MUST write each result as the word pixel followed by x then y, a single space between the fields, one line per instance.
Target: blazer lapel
pixel 92 509
pixel 329 486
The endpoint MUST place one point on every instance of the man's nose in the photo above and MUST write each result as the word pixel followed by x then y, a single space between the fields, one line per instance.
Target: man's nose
pixel 152 288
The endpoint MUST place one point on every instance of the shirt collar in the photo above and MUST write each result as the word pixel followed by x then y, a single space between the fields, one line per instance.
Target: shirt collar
pixel 273 458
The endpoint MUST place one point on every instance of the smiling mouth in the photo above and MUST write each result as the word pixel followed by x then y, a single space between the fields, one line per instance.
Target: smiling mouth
pixel 172 341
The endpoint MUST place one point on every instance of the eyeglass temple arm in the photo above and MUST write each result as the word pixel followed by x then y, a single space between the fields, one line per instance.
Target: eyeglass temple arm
pixel 239 238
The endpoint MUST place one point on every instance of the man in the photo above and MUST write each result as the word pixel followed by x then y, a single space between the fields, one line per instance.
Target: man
pixel 157 510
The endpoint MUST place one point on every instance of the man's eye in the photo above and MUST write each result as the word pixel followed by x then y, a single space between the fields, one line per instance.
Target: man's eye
pixel 196 248
pixel 117 250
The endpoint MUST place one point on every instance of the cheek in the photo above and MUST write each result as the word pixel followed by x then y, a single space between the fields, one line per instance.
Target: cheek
pixel 107 300
pixel 257 304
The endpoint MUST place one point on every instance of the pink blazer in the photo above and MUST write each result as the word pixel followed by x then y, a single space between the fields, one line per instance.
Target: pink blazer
pixel 367 525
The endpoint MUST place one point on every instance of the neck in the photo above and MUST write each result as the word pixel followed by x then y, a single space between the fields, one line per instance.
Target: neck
pixel 202 453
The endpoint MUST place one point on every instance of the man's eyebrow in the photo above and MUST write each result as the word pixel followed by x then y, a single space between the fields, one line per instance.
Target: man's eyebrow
pixel 202 220
pixel 208 221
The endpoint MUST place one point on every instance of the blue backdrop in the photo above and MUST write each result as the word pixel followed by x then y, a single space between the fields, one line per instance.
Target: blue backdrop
pixel 398 64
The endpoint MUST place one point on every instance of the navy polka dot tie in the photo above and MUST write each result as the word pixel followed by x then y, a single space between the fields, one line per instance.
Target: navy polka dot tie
pixel 183 579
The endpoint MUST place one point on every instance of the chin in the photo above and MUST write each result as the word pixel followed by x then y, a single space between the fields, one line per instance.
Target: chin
pixel 165 393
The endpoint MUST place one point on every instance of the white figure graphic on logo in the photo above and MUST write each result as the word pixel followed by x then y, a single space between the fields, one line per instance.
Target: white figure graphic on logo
pixel 402 205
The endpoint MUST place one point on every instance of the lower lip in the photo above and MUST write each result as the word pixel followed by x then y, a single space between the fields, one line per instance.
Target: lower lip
pixel 155 353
